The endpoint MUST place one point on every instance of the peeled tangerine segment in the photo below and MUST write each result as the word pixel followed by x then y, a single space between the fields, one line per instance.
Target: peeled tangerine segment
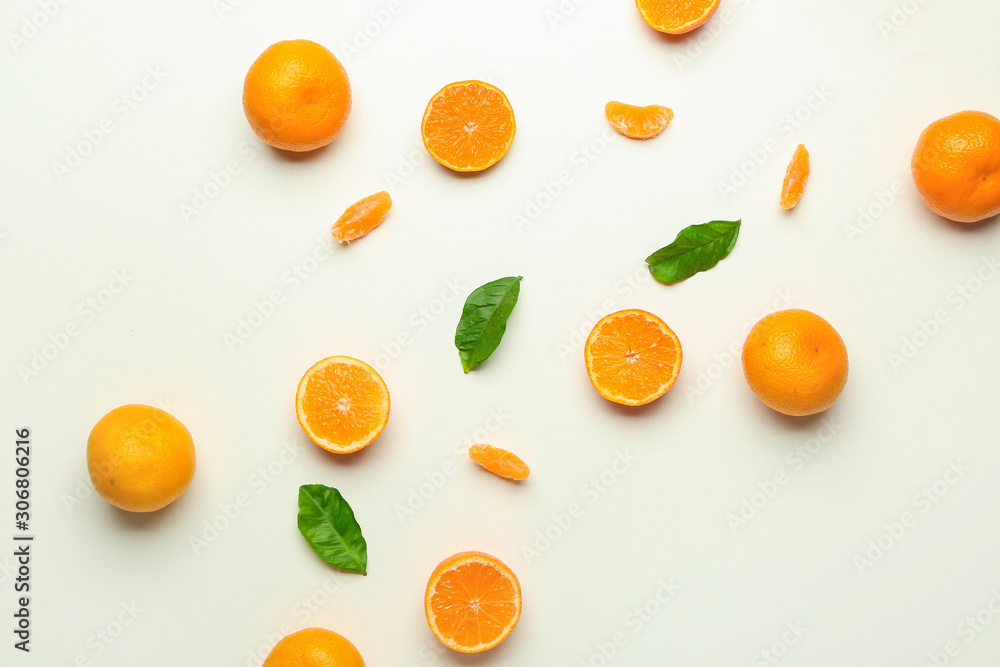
pixel 361 217
pixel 637 122
pixel 795 178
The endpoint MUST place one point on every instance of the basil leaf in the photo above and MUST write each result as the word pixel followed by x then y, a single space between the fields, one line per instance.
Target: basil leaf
pixel 696 248
pixel 484 319
pixel 328 524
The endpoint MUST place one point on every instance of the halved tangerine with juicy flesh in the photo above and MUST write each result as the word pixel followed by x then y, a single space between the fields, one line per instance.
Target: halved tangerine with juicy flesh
pixel 472 602
pixel 632 357
pixel 342 404
pixel 468 126
pixel 676 16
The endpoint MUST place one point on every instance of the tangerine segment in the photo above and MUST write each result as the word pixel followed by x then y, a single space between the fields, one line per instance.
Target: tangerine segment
pixel 500 462
pixel 632 357
pixel 362 216
pixel 795 362
pixel 956 166
pixel 637 122
pixel 468 126
pixel 342 404
pixel 472 602
pixel 795 178
pixel 676 16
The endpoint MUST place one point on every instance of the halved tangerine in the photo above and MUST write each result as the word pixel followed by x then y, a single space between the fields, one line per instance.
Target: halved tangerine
pixel 468 126
pixel 632 357
pixel 676 16
pixel 342 404
pixel 472 602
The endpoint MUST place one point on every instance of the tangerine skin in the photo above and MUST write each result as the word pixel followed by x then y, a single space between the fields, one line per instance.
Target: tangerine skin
pixel 795 362
pixel 956 166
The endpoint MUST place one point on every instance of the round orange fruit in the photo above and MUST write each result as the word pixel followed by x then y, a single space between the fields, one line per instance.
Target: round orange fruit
pixel 342 404
pixel 795 362
pixel 632 357
pixel 468 126
pixel 297 96
pixel 472 601
pixel 956 166
pixel 314 647
pixel 140 458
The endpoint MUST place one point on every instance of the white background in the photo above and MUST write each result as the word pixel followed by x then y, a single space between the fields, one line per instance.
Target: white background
pixel 698 453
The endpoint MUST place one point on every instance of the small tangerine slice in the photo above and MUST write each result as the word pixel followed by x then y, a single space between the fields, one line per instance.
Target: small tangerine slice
pixel 500 462
pixel 676 16
pixel 795 178
pixel 342 404
pixel 361 217
pixel 472 602
pixel 468 126
pixel 632 357
pixel 637 122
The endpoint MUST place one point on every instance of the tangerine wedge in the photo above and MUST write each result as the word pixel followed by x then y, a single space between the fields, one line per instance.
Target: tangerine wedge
pixel 361 217
pixel 795 178
pixel 637 122
pixel 500 462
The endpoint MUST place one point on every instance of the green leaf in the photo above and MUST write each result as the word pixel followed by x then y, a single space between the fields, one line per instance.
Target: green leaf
pixel 328 524
pixel 696 248
pixel 484 319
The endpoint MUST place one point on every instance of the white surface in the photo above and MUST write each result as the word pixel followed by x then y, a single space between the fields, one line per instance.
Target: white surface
pixel 697 456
